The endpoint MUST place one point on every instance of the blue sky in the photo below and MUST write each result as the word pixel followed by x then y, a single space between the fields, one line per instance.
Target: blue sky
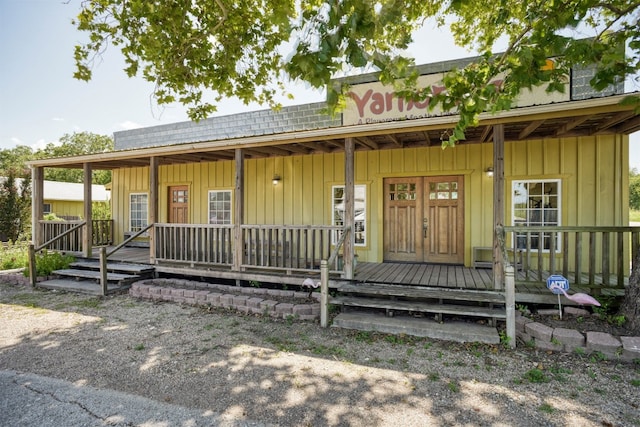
pixel 40 101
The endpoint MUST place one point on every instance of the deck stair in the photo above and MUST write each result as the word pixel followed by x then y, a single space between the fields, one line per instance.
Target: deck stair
pixel 405 309
pixel 83 276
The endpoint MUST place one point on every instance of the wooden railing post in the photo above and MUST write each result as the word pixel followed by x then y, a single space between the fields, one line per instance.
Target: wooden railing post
pixel 33 271
pixel 103 270
pixel 324 293
pixel 510 303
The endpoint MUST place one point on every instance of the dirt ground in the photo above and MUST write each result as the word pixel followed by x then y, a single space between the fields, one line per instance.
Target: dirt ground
pixel 293 373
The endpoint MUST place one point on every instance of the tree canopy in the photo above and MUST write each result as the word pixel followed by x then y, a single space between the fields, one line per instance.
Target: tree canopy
pixel 198 52
pixel 13 160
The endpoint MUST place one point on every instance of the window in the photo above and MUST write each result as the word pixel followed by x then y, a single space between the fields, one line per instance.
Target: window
pixel 138 210
pixel 220 207
pixel 535 204
pixel 337 209
pixel 46 208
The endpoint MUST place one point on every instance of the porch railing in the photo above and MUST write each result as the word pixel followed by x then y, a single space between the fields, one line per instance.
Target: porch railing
pixel 297 248
pixel 102 234
pixel 194 243
pixel 586 256
pixel 70 241
pixel 289 247
pixel 52 243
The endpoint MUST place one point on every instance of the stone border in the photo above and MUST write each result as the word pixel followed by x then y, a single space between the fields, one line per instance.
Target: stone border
pixel 571 341
pixel 246 300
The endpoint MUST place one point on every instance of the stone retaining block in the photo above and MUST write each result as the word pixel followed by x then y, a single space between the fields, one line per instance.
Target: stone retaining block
pixel 226 300
pixel 214 298
pixel 569 338
pixel 284 310
pixel 302 310
pixel 240 301
pixel 630 348
pixel 604 343
pixel 539 331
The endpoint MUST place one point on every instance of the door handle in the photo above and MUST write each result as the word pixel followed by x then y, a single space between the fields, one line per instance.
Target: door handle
pixel 425 227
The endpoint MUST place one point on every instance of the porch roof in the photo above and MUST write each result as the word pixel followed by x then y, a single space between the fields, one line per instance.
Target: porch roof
pixel 564 119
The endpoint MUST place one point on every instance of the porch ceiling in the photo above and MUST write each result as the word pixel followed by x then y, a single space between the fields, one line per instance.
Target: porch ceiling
pixel 571 119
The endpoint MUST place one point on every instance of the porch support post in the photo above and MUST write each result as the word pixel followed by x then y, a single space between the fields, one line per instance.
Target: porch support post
pixel 510 302
pixel 238 212
pixel 349 206
pixel 498 204
pixel 153 208
pixel 87 238
pixel 37 201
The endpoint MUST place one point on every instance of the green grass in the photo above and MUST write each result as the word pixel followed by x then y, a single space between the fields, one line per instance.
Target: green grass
pixel 634 216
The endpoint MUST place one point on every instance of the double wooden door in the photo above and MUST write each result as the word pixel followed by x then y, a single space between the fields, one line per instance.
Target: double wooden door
pixel 424 220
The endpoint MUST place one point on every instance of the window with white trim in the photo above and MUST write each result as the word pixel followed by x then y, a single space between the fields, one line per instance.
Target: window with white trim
pixel 535 204
pixel 46 208
pixel 138 211
pixel 220 207
pixel 360 206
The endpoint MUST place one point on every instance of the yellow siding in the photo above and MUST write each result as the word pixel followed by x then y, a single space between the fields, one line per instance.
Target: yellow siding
pixel 66 208
pixel 592 194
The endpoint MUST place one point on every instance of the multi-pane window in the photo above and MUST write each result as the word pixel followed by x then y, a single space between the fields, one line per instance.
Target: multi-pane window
pixel 46 208
pixel 360 203
pixel 535 204
pixel 220 207
pixel 138 208
pixel 403 191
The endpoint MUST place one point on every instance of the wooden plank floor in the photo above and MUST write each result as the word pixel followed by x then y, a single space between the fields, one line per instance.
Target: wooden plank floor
pixel 437 275
pixel 451 276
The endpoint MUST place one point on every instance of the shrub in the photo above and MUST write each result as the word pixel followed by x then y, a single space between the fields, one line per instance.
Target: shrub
pixel 47 262
pixel 13 255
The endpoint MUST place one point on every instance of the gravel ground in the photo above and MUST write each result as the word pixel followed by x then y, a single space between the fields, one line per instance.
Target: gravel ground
pixel 293 373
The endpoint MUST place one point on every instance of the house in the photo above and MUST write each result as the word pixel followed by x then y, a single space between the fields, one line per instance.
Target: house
pixel 265 194
pixel 66 199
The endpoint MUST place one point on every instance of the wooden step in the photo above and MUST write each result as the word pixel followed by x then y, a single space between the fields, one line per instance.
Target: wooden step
pixel 421 292
pixel 421 327
pixel 119 267
pixel 95 275
pixel 81 286
pixel 418 306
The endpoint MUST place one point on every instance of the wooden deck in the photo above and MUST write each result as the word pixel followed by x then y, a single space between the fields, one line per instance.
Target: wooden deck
pixel 432 275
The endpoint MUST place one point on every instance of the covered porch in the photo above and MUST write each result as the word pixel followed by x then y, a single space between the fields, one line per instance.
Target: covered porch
pixel 283 253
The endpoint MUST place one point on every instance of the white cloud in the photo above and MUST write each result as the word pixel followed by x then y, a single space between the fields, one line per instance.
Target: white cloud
pixel 58 119
pixel 128 125
pixel 16 141
pixel 39 144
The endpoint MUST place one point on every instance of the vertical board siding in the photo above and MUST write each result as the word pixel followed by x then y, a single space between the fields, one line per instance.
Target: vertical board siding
pixel 590 188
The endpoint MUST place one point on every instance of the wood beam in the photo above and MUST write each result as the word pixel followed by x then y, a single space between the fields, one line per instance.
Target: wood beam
pixel 498 204
pixel 317 147
pixel 368 142
pixel 238 214
pixel 272 151
pixel 153 205
pixel 298 149
pixel 87 237
pixel 630 126
pixel 427 138
pixel 618 118
pixel 530 128
pixel 486 134
pixel 349 206
pixel 37 204
pixel 398 143
pixel 572 124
